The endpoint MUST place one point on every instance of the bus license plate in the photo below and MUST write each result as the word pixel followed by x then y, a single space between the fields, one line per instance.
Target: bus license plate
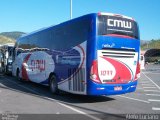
pixel 118 88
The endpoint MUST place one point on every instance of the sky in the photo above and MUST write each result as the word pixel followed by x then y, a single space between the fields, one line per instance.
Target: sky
pixel 30 15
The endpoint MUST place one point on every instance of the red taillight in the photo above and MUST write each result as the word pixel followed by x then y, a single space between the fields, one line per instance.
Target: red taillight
pixel 137 71
pixel 94 72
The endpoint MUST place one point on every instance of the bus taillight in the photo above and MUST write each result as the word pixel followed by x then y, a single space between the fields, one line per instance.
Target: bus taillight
pixel 94 72
pixel 137 71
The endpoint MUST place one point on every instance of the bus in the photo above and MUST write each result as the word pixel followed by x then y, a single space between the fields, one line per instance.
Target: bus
pixel 6 59
pixel 95 54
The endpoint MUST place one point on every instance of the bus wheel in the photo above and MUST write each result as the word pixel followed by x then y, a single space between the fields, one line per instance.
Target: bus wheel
pixel 53 85
pixel 18 76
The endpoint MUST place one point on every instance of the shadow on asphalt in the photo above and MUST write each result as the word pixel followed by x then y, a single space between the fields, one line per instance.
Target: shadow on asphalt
pixel 40 91
pixel 43 91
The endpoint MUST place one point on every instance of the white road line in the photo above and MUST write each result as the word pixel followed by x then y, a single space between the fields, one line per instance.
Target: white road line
pixel 149 87
pixel 134 99
pixel 151 81
pixel 152 90
pixel 153 94
pixel 154 73
pixel 60 103
pixel 69 107
pixel 153 100
pixel 155 108
pixel 78 111
pixel 139 88
pixel 148 84
pixel 145 82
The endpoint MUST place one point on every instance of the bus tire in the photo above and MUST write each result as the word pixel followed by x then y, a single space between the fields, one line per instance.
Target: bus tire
pixel 18 76
pixel 53 84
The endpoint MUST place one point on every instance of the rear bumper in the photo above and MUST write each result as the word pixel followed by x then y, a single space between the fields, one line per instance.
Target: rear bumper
pixel 108 89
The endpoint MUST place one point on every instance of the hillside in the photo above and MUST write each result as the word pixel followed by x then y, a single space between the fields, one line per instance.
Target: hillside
pixel 4 40
pixel 12 35
pixel 151 44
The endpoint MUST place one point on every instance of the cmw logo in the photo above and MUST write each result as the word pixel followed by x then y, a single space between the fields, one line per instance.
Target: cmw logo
pixel 119 23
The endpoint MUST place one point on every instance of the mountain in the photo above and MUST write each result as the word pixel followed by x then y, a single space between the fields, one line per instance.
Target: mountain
pixel 152 44
pixel 12 35
pixel 144 42
pixel 4 40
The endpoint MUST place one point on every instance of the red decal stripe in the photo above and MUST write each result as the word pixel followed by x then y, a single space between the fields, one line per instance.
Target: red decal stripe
pixel 24 71
pixel 123 73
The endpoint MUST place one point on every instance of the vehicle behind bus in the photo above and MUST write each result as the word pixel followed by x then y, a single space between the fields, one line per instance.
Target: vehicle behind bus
pixel 142 62
pixel 6 51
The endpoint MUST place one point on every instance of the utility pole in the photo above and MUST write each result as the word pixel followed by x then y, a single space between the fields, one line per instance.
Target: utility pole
pixel 70 9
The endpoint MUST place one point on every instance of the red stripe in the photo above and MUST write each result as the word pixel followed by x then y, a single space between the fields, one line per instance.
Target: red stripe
pixel 24 71
pixel 122 36
pixel 123 73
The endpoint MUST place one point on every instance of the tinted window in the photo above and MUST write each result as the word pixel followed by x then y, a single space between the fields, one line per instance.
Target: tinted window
pixel 60 37
pixel 117 25
pixel 70 35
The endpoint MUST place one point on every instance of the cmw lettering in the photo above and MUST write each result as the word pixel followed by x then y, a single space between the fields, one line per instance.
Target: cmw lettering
pixel 38 65
pixel 119 23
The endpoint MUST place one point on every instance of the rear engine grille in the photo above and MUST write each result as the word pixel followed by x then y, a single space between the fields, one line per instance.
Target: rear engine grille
pixel 77 79
pixel 117 53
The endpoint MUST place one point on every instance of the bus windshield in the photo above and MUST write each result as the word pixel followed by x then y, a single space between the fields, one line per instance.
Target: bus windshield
pixel 116 25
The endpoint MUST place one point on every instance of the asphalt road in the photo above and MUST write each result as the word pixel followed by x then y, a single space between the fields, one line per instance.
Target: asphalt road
pixel 27 99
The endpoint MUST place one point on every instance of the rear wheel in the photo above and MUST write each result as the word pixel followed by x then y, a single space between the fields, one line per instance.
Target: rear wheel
pixel 53 84
pixel 18 75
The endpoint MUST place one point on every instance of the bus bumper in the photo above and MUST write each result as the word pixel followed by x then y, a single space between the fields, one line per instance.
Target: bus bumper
pixel 109 89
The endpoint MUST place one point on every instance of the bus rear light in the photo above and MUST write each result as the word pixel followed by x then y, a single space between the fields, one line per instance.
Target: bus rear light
pixel 137 71
pixel 94 72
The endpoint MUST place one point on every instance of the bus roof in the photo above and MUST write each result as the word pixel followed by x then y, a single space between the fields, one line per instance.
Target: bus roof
pixel 66 22
pixel 75 19
pixel 117 15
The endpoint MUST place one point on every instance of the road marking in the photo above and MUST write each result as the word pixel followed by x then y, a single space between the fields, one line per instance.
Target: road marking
pixel 155 108
pixel 154 73
pixel 153 94
pixel 134 99
pixel 151 81
pixel 153 100
pixel 152 90
pixel 58 113
pixel 145 82
pixel 78 111
pixel 60 103
pixel 2 85
pixel 139 88
pixel 69 107
pixel 149 87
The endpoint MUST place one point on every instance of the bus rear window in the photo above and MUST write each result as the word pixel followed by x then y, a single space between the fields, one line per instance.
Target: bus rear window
pixel 114 25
